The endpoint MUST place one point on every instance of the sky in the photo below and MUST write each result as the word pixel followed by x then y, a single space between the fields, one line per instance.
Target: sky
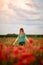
pixel 16 14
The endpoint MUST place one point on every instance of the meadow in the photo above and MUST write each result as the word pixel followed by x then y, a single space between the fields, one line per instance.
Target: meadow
pixel 21 55
pixel 9 39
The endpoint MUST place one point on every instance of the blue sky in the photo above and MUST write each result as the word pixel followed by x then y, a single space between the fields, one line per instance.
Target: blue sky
pixel 15 14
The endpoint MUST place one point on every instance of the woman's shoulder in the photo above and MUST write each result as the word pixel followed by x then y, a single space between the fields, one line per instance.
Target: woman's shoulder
pixel 24 34
pixel 18 35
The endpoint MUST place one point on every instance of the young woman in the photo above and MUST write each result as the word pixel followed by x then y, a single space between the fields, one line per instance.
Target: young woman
pixel 21 37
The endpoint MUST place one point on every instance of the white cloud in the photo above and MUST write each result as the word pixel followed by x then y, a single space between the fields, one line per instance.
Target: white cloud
pixel 12 10
pixel 27 12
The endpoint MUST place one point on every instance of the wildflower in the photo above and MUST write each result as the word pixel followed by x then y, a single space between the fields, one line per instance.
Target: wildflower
pixel 31 40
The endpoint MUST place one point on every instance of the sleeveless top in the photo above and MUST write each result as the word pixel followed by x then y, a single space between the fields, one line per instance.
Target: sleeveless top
pixel 22 39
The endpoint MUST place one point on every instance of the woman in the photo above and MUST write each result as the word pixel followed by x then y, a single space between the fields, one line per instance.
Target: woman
pixel 21 37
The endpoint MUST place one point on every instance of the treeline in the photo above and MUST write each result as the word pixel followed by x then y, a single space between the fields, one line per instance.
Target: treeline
pixel 15 35
pixel 9 35
pixel 35 36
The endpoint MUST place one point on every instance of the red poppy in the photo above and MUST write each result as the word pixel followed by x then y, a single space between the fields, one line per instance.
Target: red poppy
pixel 16 52
pixel 42 61
pixel 5 54
pixel 31 40
pixel 41 47
pixel 25 55
pixel 1 56
pixel 1 45
pixel 21 49
pixel 31 59
pixel 12 46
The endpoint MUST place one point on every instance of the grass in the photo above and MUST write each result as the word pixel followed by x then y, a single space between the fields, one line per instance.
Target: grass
pixel 10 40
pixel 36 52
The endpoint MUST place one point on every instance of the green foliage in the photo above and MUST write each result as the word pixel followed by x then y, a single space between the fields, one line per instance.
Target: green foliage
pixel 15 35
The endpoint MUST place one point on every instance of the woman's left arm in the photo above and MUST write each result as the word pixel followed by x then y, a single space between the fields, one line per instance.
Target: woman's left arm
pixel 28 41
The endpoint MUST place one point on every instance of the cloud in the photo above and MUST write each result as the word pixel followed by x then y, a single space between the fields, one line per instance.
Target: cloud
pixel 15 10
pixel 25 12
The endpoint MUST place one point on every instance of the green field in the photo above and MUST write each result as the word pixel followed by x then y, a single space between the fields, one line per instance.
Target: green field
pixel 10 40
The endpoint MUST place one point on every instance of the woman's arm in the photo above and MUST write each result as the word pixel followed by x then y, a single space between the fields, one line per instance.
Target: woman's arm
pixel 28 41
pixel 16 40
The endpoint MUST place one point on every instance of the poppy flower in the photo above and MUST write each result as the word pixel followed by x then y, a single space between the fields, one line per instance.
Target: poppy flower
pixel 31 40
pixel 1 56
pixel 42 61
pixel 1 45
pixel 21 49
pixel 16 52
pixel 25 55
pixel 12 46
pixel 31 59
pixel 5 54
pixel 41 47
